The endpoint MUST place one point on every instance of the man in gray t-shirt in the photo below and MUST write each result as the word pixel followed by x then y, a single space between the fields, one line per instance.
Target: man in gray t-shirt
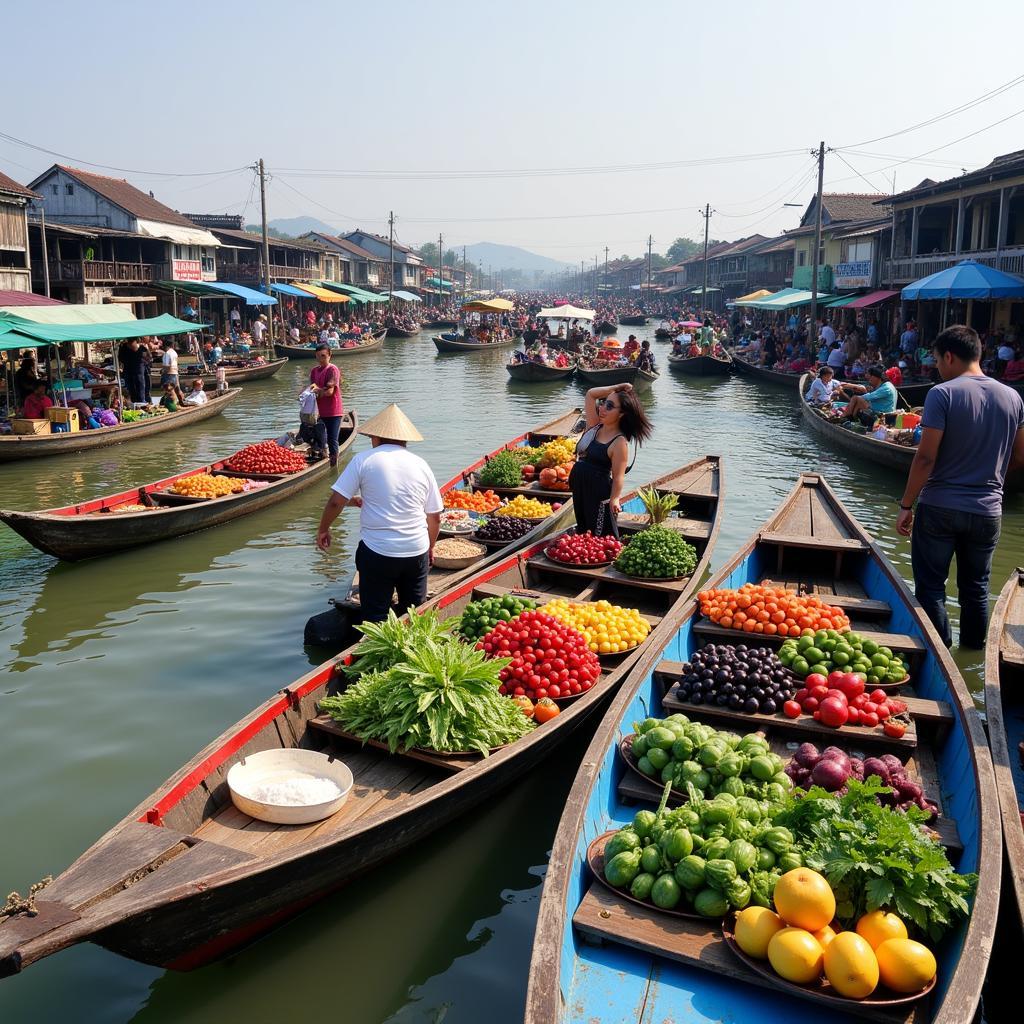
pixel 972 437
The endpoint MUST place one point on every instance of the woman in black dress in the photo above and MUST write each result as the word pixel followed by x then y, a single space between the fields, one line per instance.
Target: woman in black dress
pixel 615 418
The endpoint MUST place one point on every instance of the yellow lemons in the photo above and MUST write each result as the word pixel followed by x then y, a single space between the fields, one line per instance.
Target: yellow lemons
pixel 607 628
pixel 905 965
pixel 879 925
pixel 850 966
pixel 525 508
pixel 804 899
pixel 824 936
pixel 755 927
pixel 796 955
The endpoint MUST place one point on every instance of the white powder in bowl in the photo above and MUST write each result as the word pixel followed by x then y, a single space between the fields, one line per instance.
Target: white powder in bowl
pixel 293 791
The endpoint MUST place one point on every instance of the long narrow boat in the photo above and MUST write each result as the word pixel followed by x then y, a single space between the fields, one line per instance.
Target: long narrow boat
pixel 534 372
pixel 333 628
pixel 104 525
pixel 664 334
pixel 185 877
pixel 633 321
pixel 605 326
pixel 617 375
pixel 748 369
pixel 403 332
pixel 462 345
pixel 30 446
pixel 232 374
pixel 1004 712
pixel 914 392
pixel 701 366
pixel 434 325
pixel 888 453
pixel 598 957
pixel 374 342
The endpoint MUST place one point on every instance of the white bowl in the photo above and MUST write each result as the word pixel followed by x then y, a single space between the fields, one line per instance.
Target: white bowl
pixel 282 766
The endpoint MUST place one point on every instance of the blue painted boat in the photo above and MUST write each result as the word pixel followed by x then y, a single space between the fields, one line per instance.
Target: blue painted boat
pixel 597 957
pixel 1004 711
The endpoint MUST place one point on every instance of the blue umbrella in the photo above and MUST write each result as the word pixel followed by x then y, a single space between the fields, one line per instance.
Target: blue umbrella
pixel 969 279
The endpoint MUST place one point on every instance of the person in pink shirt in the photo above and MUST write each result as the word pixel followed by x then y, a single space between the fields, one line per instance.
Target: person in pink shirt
pixel 325 378
pixel 36 402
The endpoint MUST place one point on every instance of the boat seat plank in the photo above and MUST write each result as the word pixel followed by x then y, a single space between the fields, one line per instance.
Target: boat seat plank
pixel 604 917
pixel 898 642
pixel 798 540
pixel 795 518
pixel 691 529
pixel 1011 642
pixel 326 724
pixel 825 521
pixel 133 848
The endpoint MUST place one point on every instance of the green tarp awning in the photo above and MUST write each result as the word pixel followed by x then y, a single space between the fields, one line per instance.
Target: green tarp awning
pixel 353 292
pixel 56 333
pixel 788 298
pixel 840 300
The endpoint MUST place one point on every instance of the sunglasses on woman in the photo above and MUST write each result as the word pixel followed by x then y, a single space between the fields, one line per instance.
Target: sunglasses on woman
pixel 609 404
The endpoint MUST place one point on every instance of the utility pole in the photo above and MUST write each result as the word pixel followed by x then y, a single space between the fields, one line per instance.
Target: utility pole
pixel 704 290
pixel 465 280
pixel 583 291
pixel 266 237
pixel 46 254
pixel 813 333
pixel 650 242
pixel 606 268
pixel 595 277
pixel 391 256
pixel 440 269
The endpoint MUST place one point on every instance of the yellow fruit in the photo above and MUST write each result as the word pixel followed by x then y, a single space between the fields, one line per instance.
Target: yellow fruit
pixel 824 936
pixel 905 965
pixel 878 925
pixel 850 966
pixel 796 955
pixel 755 927
pixel 804 899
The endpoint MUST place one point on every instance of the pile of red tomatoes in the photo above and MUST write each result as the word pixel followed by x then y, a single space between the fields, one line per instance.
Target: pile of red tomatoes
pixel 842 699
pixel 266 457
pixel 549 658
pixel 584 549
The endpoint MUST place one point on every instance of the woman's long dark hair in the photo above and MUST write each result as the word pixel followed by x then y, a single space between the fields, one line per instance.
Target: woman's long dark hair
pixel 633 421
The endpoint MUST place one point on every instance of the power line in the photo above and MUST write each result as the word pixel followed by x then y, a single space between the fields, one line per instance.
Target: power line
pixel 773 204
pixel 855 171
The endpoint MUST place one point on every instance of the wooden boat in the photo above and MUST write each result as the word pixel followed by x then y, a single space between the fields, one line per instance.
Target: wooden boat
pixel 534 372
pixel 403 332
pixel 701 366
pixel 1004 712
pixel 30 446
pixel 633 321
pixel 887 453
pixel 913 392
pixel 664 334
pixel 334 628
pixel 462 345
pixel 309 351
pixel 605 326
pixel 434 325
pixel 598 957
pixel 185 878
pixel 748 369
pixel 232 374
pixel 99 527
pixel 617 375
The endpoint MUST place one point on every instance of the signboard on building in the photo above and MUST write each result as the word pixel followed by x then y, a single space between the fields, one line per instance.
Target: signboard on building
pixel 187 270
pixel 802 278
pixel 856 274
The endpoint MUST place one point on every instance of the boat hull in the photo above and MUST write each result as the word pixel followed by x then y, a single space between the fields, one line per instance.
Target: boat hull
pixel 618 375
pixel 305 352
pixel 632 321
pixel 402 332
pixel 536 372
pixel 14 447
pixel 895 456
pixel 447 345
pixel 76 537
pixel 700 366
pixel 786 380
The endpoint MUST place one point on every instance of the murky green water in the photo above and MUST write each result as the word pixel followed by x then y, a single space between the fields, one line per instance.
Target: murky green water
pixel 120 669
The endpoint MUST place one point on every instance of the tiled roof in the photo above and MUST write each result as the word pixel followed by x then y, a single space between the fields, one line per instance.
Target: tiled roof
pixel 125 195
pixel 344 243
pixel 11 186
pixel 252 236
pixel 851 205
pixel 741 245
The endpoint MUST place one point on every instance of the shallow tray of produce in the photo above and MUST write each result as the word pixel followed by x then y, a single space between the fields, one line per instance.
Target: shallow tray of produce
pixel 456 531
pixel 626 752
pixel 655 579
pixel 619 654
pixel 880 1002
pixel 595 861
pixel 580 565
pixel 239 475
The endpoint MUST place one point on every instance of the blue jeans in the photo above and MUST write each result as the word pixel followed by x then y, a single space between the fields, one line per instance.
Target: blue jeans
pixel 938 535
pixel 328 428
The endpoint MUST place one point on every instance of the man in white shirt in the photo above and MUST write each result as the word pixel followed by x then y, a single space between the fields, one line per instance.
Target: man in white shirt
pixel 169 370
pixel 822 387
pixel 827 335
pixel 837 359
pixel 400 515
pixel 259 328
pixel 197 396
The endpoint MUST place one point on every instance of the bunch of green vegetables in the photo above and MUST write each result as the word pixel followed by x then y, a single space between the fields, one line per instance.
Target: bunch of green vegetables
pixel 502 470
pixel 875 856
pixel 708 855
pixel 681 752
pixel 420 686
pixel 658 552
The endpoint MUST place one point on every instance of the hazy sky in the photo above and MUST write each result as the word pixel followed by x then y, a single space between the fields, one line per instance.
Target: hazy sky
pixel 420 97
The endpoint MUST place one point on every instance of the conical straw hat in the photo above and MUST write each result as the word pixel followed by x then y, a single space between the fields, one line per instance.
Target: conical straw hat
pixel 392 425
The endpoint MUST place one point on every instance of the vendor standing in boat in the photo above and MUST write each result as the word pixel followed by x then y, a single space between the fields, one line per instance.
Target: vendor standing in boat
pixel 400 515
pixel 325 379
pixel 614 419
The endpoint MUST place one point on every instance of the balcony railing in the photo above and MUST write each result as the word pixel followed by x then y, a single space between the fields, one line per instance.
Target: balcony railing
pixel 910 268
pixel 103 272
pixel 247 273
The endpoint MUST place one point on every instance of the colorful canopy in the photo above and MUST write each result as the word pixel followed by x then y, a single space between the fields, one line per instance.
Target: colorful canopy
pixel 969 279
pixel 787 298
pixel 287 289
pixel 761 293
pixel 220 290
pixel 73 313
pixel 406 296
pixel 488 306
pixel 14 332
pixel 438 282
pixel 872 299
pixel 565 312
pixel 355 293
pixel 320 293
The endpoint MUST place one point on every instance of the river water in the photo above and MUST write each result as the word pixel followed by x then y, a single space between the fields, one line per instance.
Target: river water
pixel 117 670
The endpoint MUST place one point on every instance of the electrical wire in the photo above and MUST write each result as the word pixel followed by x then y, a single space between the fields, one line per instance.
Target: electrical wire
pixel 774 203
pixel 855 171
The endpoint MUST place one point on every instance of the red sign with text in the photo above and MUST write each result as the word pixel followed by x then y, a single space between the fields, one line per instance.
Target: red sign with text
pixel 187 270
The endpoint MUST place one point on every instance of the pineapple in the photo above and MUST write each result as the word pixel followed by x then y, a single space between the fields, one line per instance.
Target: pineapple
pixel 658 506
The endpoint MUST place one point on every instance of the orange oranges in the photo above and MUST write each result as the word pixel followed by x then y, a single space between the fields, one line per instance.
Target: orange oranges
pixel 775 611
pixel 850 966
pixel 905 965
pixel 795 955
pixel 878 925
pixel 755 927
pixel 804 899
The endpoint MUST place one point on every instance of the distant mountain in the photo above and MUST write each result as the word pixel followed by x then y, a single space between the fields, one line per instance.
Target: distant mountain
pixel 511 257
pixel 295 226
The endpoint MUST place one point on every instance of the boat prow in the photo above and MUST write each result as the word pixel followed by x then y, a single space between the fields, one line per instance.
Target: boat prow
pixel 600 957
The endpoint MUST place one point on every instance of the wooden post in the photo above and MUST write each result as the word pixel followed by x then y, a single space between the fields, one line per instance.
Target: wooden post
pixel 391 256
pixel 266 238
pixel 704 287
pixel 46 258
pixel 813 333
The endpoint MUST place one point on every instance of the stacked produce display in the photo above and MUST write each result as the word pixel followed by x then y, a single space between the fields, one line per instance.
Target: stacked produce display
pixel 472 501
pixel 607 628
pixel 204 485
pixel 266 457
pixel 547 467
pixel 522 507
pixel 584 549
pixel 504 529
pixel 657 552
pixel 764 608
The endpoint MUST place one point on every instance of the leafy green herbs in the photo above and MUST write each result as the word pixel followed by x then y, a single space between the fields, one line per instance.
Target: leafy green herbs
pixel 874 856
pixel 503 470
pixel 440 694
pixel 386 643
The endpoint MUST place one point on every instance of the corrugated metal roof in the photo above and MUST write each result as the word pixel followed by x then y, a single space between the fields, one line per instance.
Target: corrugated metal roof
pixel 252 236
pixel 8 298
